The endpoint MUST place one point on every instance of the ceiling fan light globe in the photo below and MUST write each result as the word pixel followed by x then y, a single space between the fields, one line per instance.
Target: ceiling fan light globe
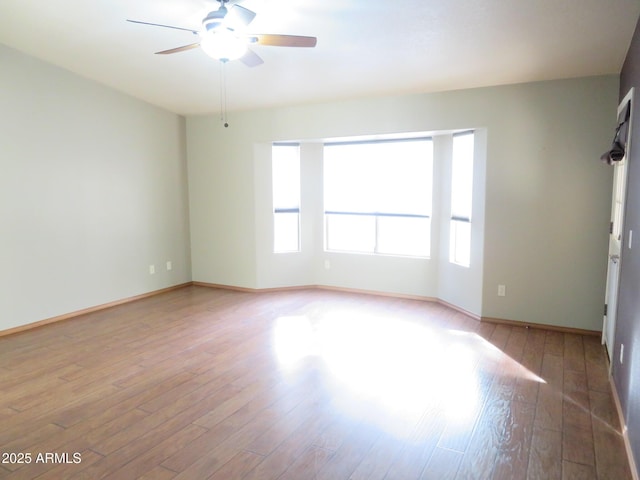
pixel 223 45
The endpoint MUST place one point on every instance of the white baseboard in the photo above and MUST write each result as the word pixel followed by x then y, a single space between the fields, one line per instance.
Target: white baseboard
pixel 625 433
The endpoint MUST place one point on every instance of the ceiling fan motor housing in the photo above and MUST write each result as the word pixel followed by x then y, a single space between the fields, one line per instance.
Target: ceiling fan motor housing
pixel 214 19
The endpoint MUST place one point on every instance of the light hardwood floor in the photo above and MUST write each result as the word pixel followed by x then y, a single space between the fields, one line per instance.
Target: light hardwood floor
pixel 202 383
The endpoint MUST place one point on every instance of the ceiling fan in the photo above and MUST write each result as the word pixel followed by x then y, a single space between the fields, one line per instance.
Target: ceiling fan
pixel 221 36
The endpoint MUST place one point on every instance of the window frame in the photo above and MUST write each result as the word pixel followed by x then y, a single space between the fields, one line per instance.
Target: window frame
pixel 456 219
pixel 277 211
pixel 377 215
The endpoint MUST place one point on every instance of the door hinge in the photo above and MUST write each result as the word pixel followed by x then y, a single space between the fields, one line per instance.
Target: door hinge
pixel 610 228
pixel 605 309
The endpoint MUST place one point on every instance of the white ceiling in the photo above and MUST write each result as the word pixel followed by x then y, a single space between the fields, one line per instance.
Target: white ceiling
pixel 365 48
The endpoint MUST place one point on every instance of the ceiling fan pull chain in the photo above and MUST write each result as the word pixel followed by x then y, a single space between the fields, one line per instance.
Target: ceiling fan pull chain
pixel 223 93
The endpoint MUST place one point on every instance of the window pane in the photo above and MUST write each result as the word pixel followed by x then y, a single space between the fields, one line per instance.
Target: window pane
pixel 404 180
pixel 286 232
pixel 404 236
pixel 460 243
pixel 462 176
pixel 286 176
pixel 351 233
pixel 347 183
pixel 391 177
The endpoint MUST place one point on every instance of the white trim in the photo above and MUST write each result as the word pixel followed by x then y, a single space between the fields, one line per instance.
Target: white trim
pixel 611 314
pixel 624 430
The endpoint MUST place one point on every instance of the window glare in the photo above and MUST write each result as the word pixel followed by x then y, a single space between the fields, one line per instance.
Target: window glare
pixel 460 243
pixel 285 232
pixel 404 236
pixel 286 176
pixel 388 177
pixel 462 176
pixel 351 233
pixel 391 177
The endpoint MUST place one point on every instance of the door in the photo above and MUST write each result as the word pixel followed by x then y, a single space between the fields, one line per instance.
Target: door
pixel 616 232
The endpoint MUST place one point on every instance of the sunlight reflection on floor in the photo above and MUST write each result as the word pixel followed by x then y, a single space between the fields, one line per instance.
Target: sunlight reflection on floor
pixel 398 368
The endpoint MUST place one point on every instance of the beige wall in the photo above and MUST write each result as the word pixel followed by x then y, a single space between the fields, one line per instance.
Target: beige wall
pixel 92 191
pixel 546 207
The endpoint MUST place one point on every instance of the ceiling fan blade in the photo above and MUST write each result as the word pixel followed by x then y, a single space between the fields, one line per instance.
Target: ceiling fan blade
pixel 238 17
pixel 165 26
pixel 284 40
pixel 251 59
pixel 179 49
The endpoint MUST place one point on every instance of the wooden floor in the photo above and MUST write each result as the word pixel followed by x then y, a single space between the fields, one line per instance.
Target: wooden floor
pixel 201 383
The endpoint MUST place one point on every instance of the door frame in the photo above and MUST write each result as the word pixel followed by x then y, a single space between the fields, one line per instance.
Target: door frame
pixel 614 261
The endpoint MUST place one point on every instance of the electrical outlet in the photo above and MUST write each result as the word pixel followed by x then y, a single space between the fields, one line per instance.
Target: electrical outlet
pixel 152 269
pixel 327 264
pixel 621 352
pixel 502 291
pixel 169 265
